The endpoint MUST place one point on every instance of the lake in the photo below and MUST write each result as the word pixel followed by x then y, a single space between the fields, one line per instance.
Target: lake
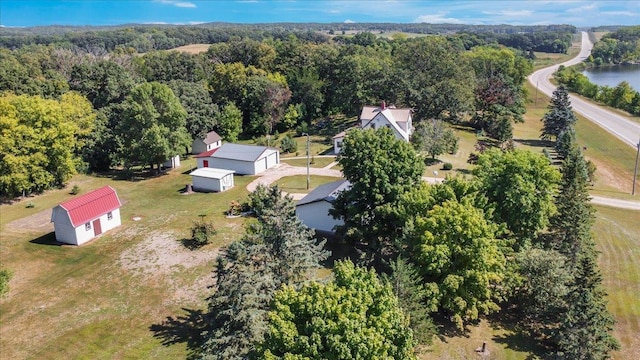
pixel 614 75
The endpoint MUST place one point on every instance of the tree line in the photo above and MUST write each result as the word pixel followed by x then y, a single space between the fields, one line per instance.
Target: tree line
pixel 617 47
pixel 245 88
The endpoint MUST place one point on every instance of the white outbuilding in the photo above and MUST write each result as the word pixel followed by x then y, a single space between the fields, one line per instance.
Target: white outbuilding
pixel 83 218
pixel 212 180
pixel 313 209
pixel 242 159
pixel 209 142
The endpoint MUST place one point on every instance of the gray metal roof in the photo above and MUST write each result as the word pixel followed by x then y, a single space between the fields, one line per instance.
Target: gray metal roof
pixel 241 152
pixel 327 192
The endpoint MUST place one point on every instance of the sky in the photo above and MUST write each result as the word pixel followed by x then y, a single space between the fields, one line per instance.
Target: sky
pixel 24 13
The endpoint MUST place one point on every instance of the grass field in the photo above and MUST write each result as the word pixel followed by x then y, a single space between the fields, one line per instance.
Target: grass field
pixel 298 183
pixel 192 48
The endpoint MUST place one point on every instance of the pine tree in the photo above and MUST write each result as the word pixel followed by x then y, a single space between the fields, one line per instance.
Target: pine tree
pixel 277 250
pixel 571 225
pixel 585 329
pixel 559 116
pixel 414 299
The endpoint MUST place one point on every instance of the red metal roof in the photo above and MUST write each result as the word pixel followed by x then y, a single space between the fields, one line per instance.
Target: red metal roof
pixel 91 205
pixel 207 153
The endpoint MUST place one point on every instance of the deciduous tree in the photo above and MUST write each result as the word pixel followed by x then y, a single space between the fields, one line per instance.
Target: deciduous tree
pixel 356 316
pixel 435 138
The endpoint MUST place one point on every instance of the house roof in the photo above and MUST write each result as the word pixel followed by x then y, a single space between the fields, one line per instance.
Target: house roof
pixel 326 192
pixel 207 153
pixel 92 205
pixel 211 137
pixel 340 135
pixel 399 114
pixel 241 152
pixel 211 173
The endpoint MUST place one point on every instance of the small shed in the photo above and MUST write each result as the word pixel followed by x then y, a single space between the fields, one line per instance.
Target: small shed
pixel 337 142
pixel 313 209
pixel 243 159
pixel 210 141
pixel 172 163
pixel 212 180
pixel 81 219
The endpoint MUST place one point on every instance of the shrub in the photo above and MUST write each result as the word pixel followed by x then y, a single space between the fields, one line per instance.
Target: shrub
pixel 5 276
pixel 447 166
pixel 31 205
pixel 75 190
pixel 235 208
pixel 288 145
pixel 201 233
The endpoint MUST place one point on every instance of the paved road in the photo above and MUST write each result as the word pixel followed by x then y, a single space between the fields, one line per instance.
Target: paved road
pixel 619 126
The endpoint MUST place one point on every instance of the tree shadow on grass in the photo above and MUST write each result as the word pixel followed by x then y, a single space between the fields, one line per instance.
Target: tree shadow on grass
pixel 536 142
pixel 186 329
pixel 514 337
pixel 47 239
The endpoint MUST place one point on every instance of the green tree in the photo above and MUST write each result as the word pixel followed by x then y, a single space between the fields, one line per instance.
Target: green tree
pixel 572 223
pixel 380 169
pixel 153 126
pixel 413 299
pixel 542 291
pixel 435 138
pixel 356 316
pixel 276 250
pixel 585 328
pixel 559 116
pixel 229 122
pixel 39 140
pixel 520 186
pixel 202 113
pixel 455 248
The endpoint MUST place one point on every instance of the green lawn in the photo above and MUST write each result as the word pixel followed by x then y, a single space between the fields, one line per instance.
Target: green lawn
pixel 298 183
pixel 315 162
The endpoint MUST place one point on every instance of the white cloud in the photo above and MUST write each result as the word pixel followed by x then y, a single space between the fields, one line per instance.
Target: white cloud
pixel 182 4
pixel 438 18
pixel 510 13
pixel 196 22
pixel 620 13
pixel 349 21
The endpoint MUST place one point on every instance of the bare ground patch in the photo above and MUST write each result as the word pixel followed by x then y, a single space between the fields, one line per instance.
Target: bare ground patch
pixel 40 221
pixel 161 255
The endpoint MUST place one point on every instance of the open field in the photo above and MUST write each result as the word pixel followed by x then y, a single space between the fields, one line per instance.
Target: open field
pixel 298 183
pixel 192 48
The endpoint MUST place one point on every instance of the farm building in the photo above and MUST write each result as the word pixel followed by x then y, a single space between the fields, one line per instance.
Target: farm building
pixel 210 141
pixel 83 218
pixel 374 117
pixel 172 163
pixel 313 209
pixel 242 159
pixel 209 179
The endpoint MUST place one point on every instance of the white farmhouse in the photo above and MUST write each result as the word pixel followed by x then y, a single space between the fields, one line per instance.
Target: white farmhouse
pixel 399 121
pixel 242 159
pixel 313 209
pixel 209 179
pixel 210 141
pixel 81 219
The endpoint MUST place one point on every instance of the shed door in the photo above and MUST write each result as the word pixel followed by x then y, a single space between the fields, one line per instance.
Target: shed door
pixel 205 163
pixel 97 228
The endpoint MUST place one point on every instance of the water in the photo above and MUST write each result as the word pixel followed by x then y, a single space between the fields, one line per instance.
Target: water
pixel 614 75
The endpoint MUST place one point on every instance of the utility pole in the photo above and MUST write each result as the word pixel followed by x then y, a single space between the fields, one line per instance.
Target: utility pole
pixel 635 171
pixel 536 102
pixel 308 164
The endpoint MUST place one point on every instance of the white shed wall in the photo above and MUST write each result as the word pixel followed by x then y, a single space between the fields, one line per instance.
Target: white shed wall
pixel 316 216
pixel 66 233
pixel 240 167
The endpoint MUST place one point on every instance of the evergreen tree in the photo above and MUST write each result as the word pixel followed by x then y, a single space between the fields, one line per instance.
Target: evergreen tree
pixel 276 250
pixel 559 115
pixel 572 223
pixel 585 329
pixel 413 299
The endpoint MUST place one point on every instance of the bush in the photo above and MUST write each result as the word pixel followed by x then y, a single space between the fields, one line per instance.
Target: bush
pixel 288 145
pixel 5 276
pixel 447 166
pixel 75 190
pixel 31 205
pixel 303 128
pixel 201 233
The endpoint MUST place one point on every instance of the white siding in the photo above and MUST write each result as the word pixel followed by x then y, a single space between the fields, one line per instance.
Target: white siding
pixel 240 167
pixel 172 163
pixel 65 232
pixel 337 145
pixel 200 162
pixel 316 216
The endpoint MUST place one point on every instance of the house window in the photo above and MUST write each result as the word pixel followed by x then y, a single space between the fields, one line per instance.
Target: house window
pixel 339 144
pixel 109 215
pixel 373 125
pixel 87 226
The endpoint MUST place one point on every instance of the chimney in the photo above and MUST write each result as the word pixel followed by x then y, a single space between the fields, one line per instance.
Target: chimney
pixel 383 105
